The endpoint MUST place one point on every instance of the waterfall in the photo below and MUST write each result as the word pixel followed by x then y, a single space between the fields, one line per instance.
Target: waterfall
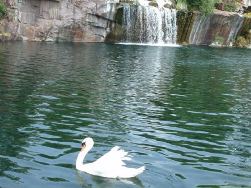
pixel 199 30
pixel 148 24
pixel 247 3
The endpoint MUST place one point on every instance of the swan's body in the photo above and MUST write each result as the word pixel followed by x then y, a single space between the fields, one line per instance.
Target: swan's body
pixel 110 165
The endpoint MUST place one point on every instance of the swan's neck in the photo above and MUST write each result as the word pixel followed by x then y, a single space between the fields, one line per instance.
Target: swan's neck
pixel 80 159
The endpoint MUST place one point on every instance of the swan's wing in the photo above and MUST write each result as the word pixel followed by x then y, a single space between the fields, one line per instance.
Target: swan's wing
pixel 115 156
pixel 112 165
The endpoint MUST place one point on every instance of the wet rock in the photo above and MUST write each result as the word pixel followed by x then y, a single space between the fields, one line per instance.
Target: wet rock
pixel 185 21
pixel 219 28
pixel 154 4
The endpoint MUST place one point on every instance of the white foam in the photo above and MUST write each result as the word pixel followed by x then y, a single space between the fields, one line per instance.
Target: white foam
pixel 148 44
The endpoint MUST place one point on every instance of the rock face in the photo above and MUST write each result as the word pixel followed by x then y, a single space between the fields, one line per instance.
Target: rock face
pixel 220 28
pixel 185 21
pixel 58 20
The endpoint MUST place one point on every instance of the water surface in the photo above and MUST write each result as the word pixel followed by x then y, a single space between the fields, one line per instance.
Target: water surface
pixel 184 113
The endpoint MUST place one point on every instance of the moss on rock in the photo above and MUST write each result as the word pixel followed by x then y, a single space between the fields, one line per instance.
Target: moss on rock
pixel 243 38
pixel 185 20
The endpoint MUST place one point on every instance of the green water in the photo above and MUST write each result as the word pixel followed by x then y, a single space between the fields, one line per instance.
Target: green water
pixel 184 113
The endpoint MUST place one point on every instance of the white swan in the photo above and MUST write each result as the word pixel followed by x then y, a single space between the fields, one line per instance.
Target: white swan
pixel 110 165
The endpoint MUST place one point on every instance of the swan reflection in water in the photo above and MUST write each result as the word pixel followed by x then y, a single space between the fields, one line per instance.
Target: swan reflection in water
pixel 86 180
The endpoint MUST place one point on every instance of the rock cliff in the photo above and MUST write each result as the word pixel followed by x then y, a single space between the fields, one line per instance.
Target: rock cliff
pixel 58 20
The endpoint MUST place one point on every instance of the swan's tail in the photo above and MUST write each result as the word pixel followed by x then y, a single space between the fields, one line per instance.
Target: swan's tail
pixel 140 170
pixel 137 171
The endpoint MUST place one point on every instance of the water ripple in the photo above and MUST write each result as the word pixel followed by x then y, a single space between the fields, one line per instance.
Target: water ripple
pixel 184 113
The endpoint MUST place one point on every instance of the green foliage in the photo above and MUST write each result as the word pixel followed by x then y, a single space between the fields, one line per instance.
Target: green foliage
pixel 3 10
pixel 230 6
pixel 206 6
pixel 244 35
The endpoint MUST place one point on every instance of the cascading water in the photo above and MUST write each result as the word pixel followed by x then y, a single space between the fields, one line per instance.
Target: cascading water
pixel 215 29
pixel 148 24
pixel 247 3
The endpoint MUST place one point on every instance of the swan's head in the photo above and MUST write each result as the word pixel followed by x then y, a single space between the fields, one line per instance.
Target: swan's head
pixel 87 144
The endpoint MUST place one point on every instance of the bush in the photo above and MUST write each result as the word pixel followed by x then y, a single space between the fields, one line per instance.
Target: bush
pixel 205 6
pixel 230 6
pixel 3 10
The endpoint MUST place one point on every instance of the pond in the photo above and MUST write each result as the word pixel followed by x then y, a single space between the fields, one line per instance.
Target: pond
pixel 183 112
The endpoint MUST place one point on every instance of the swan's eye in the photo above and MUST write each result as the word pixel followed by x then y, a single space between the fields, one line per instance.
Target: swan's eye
pixel 83 144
